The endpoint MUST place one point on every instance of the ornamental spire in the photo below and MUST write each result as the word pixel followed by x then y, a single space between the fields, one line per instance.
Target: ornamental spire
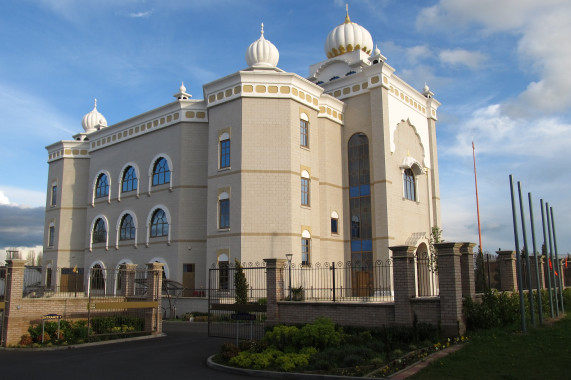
pixel 347 19
pixel 262 29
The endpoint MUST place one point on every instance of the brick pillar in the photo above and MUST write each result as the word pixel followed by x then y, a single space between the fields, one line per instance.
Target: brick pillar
pixel 508 271
pixel 13 297
pixel 274 288
pixel 450 278
pixel 128 280
pixel 153 317
pixel 404 282
pixel 467 270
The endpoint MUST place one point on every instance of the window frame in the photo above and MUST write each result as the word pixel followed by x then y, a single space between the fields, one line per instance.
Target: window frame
pixel 305 189
pixel 54 191
pixel 224 150
pixel 132 183
pixel 409 185
pixel 224 213
pixel 102 190
pixel 153 226
pixel 163 177
pixel 132 229
pixel 305 250
pixel 99 226
pixel 51 235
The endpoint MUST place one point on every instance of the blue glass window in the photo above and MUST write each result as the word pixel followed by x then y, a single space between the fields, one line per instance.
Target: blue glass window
pixel 159 224
pixel 225 153
pixel 305 251
pixel 161 172
pixel 129 180
pixel 224 220
pixel 99 231
pixel 304 133
pixel 127 229
pixel 409 185
pixel 305 191
pixel 102 186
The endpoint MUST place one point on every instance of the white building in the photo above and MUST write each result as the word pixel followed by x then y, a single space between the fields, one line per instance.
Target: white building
pixel 335 167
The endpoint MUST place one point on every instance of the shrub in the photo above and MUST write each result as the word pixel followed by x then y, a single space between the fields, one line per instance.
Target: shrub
pixel 496 310
pixel 26 340
pixel 320 334
pixel 281 336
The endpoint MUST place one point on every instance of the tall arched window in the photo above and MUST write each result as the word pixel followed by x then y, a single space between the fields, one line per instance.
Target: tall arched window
pixel 304 130
pixel 102 186
pixel 305 182
pixel 127 229
pixel 224 150
pixel 409 185
pixel 99 234
pixel 129 180
pixel 360 213
pixel 223 210
pixel 159 224
pixel 161 172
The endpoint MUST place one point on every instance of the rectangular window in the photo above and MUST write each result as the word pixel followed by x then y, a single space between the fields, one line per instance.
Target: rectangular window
pixel 304 133
pixel 304 191
pixel 334 226
pixel 409 185
pixel 224 209
pixel 54 195
pixel 225 154
pixel 51 236
pixel 305 250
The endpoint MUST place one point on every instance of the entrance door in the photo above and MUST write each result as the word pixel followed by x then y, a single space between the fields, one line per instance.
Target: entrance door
pixel 188 276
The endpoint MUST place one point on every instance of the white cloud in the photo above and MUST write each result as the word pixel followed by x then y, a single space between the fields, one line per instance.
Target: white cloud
pixel 543 30
pixel 462 57
pixel 146 14
pixel 4 199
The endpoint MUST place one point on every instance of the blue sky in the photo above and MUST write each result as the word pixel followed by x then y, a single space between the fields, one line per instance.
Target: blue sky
pixel 499 67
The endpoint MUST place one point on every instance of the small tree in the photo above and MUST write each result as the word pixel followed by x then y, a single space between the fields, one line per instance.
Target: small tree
pixel 240 284
pixel 481 284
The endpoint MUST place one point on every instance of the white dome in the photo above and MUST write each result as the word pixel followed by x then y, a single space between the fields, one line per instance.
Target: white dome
pixel 93 119
pixel 262 53
pixel 347 37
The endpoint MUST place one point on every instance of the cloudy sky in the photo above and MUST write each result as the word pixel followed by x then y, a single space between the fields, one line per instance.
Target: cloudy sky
pixel 499 67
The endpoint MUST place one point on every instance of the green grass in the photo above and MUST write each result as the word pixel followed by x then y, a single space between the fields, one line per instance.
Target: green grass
pixel 543 353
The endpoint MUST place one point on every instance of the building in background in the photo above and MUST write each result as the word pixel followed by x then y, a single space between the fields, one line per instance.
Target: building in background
pixel 335 167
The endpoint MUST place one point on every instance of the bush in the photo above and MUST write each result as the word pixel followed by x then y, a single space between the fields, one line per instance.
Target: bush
pixel 496 310
pixel 26 340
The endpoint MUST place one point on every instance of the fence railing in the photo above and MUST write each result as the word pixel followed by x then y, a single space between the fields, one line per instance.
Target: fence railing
pixel 78 282
pixel 339 281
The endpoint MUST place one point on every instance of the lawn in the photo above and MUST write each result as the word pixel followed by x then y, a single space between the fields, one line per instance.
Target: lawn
pixel 543 353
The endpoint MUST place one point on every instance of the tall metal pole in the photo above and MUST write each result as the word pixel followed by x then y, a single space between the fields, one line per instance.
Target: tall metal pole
pixel 539 306
pixel 526 253
pixel 517 259
pixel 477 201
pixel 552 274
pixel 546 255
pixel 557 261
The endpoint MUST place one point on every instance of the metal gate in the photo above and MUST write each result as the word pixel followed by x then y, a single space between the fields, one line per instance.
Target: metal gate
pixel 228 315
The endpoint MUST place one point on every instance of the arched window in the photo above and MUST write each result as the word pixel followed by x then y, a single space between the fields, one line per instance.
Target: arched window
pixel 99 231
pixel 304 130
pixel 224 150
pixel 102 186
pixel 159 224
pixel 409 185
pixel 305 247
pixel 97 280
pixel 127 229
pixel 223 272
pixel 305 188
pixel 129 180
pixel 334 222
pixel 161 172
pixel 224 210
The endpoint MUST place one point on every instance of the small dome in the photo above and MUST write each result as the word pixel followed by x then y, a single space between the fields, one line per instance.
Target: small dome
pixel 348 37
pixel 377 51
pixel 93 120
pixel 262 53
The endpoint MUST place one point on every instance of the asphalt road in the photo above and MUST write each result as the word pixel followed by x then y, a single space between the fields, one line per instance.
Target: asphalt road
pixel 181 354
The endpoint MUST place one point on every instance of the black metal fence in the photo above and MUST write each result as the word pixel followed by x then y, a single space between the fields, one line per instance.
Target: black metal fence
pixel 226 317
pixel 2 301
pixel 339 282
pixel 427 284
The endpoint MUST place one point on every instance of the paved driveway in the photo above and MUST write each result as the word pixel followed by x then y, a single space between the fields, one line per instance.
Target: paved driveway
pixel 180 355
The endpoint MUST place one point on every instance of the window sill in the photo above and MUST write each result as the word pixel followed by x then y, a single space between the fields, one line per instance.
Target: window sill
pixel 223 229
pixel 225 169
pixel 305 147
pixel 306 207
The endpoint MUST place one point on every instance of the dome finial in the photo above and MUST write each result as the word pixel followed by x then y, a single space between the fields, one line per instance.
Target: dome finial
pixel 347 19
pixel 262 32
pixel 95 104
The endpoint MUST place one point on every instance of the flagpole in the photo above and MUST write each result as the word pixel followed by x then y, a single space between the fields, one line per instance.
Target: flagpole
pixel 477 201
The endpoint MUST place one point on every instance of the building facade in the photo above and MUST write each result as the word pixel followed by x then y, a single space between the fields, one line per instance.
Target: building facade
pixel 334 167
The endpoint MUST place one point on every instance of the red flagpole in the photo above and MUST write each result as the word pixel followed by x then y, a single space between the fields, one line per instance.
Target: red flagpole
pixel 477 201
